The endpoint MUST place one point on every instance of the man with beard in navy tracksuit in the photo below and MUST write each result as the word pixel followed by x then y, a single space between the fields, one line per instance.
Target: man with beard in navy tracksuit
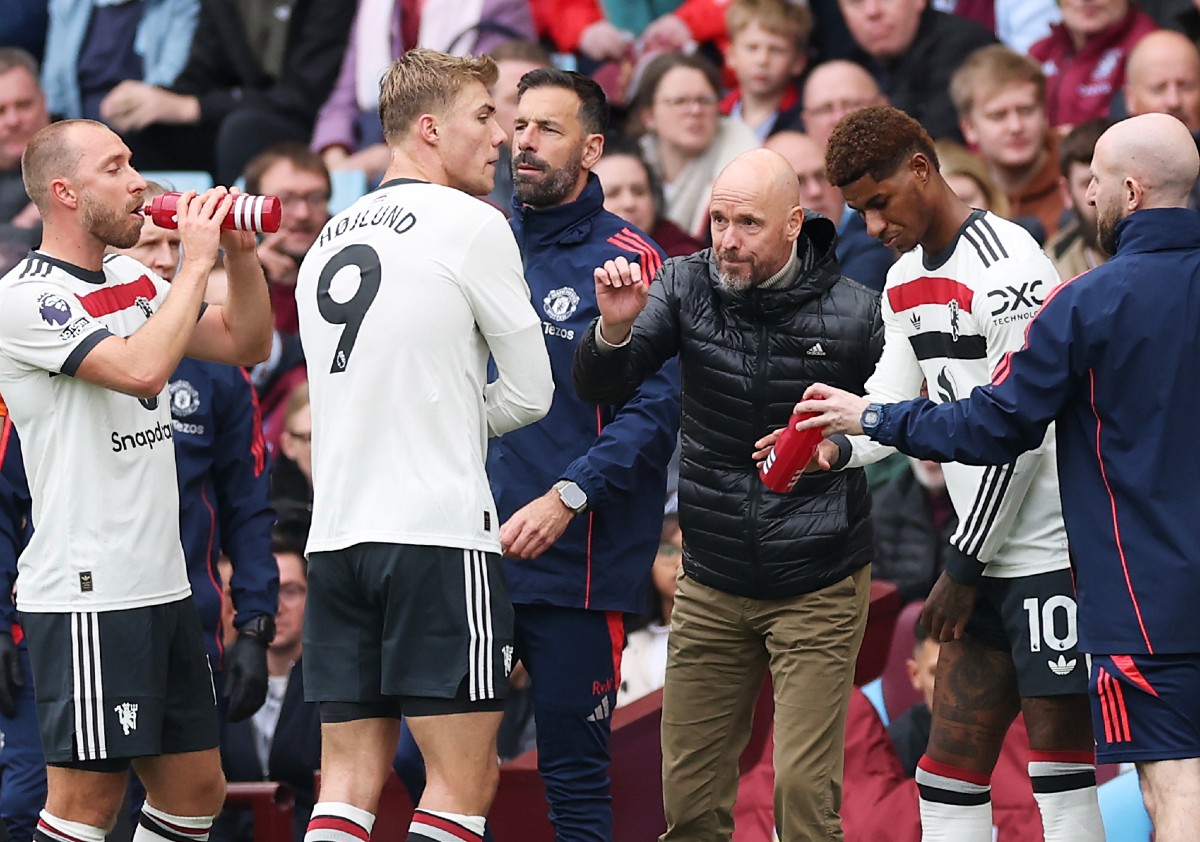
pixel 580 493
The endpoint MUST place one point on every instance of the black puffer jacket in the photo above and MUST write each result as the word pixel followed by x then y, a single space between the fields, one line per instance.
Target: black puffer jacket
pixel 746 358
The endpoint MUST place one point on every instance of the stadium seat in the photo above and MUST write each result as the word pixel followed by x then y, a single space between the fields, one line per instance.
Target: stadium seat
pixel 881 626
pixel 270 802
pixel 898 692
pixel 348 187
pixel 180 180
pixel 1122 809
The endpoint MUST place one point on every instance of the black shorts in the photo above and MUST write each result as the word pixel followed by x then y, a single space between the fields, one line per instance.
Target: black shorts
pixel 1033 619
pixel 114 685
pixel 395 627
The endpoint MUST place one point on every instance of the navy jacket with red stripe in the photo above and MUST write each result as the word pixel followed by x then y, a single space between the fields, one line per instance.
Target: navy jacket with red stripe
pixel 1113 357
pixel 15 508
pixel 617 454
pixel 221 458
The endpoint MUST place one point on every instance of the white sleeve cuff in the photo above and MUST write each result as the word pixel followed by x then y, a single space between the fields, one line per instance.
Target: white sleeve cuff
pixel 604 345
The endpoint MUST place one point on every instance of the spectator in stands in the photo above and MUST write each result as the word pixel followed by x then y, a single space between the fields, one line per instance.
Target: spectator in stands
pixel 1163 74
pixel 833 90
pixel 254 78
pixel 580 26
pixel 221 466
pixel 513 60
pixel 1076 248
pixel 299 178
pixel 767 53
pixel 970 179
pixel 92 47
pixel 633 192
pixel 910 730
pixel 282 741
pixel 644 662
pixel 291 480
pixel 860 256
pixel 911 50
pixel 914 521
pixel 686 140
pixel 1084 57
pixel 1001 100
pixel 1017 23
pixel 24 25
pixel 22 114
pixel 348 133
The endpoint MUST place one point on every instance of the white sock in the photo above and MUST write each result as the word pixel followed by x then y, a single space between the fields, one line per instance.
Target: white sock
pixel 51 828
pixel 1064 785
pixel 956 805
pixel 334 821
pixel 154 825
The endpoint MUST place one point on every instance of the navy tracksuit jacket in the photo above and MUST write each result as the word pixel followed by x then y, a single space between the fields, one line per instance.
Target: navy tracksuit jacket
pixel 221 459
pixel 1113 357
pixel 22 764
pixel 568 601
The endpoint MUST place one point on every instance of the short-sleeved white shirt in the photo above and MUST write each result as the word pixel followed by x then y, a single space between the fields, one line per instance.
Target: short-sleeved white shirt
pixel 101 464
pixel 401 300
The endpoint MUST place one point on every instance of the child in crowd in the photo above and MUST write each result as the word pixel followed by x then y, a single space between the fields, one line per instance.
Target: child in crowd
pixel 767 52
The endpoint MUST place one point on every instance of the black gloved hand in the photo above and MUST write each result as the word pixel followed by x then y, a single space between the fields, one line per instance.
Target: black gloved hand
pixel 245 676
pixel 11 677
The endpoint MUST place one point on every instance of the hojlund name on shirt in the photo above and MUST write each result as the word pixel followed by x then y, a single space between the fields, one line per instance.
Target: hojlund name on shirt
pixel 386 216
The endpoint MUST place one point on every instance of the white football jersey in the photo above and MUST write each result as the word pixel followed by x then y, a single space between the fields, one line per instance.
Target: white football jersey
pixel 949 320
pixel 401 300
pixel 101 464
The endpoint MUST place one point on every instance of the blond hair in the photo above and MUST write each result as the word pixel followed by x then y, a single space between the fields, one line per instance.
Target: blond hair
pixel 427 82
pixel 956 160
pixel 789 19
pixel 990 69
pixel 51 154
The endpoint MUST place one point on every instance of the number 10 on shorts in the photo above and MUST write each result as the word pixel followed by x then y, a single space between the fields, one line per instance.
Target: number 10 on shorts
pixel 1042 624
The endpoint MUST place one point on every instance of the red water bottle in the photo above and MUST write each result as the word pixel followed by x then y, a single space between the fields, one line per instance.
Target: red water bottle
pixel 790 455
pixel 261 214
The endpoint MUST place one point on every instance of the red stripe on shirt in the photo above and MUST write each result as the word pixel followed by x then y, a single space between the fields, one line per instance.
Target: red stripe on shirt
pixel 648 256
pixel 1116 525
pixel 642 260
pixel 117 298
pixel 930 290
pixel 258 444
pixel 208 554
pixel 5 428
pixel 635 242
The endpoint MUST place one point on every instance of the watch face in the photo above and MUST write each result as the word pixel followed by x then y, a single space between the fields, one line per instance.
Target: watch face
pixel 870 418
pixel 573 496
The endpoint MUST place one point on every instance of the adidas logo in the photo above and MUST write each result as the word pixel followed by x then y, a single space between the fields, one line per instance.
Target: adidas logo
pixel 916 321
pixel 1062 666
pixel 603 711
pixel 816 350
